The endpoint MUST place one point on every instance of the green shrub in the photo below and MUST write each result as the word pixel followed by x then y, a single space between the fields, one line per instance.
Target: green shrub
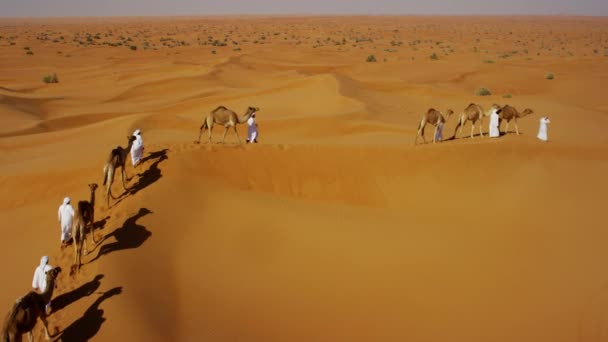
pixel 507 96
pixel 50 78
pixel 30 52
pixel 488 61
pixel 483 92
pixel 434 57
pixel 371 58
pixel 133 47
pixel 550 76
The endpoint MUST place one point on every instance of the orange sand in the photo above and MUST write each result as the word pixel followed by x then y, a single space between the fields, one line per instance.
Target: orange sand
pixel 335 227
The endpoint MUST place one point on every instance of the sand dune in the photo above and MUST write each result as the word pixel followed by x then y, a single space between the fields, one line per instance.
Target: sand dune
pixel 335 227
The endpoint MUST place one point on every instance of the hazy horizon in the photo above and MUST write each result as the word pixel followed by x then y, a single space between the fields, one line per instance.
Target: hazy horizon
pixel 69 8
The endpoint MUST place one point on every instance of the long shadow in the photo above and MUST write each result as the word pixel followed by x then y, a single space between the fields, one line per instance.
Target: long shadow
pixel 129 236
pixel 152 174
pixel 87 326
pixel 84 290
pixel 146 178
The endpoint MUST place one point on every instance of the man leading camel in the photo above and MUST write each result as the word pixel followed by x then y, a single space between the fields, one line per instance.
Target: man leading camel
pixel 39 281
pixel 66 214
pixel 137 149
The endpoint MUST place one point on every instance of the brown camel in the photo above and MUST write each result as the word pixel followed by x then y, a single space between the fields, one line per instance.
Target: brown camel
pixel 473 113
pixel 116 159
pixel 509 113
pixel 85 216
pixel 227 118
pixel 25 312
pixel 433 117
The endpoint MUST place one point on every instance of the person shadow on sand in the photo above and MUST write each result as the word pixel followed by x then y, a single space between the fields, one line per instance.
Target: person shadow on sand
pixel 130 235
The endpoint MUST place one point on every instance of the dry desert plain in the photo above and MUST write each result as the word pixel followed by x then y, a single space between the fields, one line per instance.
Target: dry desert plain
pixel 335 227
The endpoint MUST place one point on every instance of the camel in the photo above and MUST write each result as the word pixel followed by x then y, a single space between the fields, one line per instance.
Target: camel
pixel 433 117
pixel 25 312
pixel 85 215
pixel 225 117
pixel 473 113
pixel 510 113
pixel 116 159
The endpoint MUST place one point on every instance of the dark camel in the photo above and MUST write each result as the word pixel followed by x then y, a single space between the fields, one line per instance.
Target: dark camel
pixel 25 312
pixel 116 159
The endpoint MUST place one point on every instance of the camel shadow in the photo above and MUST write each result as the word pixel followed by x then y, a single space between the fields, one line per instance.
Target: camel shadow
pixel 101 223
pixel 84 290
pixel 129 236
pixel 146 178
pixel 87 326
pixel 152 174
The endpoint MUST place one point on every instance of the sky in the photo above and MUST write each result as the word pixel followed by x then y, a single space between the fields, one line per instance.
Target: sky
pixel 54 8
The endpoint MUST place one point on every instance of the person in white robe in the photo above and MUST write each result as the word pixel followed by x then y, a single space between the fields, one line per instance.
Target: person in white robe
pixel 137 149
pixel 494 123
pixel 39 281
pixel 542 130
pixel 65 215
pixel 252 130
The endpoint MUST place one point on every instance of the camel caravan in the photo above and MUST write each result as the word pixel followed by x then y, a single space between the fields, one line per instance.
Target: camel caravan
pixel 475 114
pixel 75 224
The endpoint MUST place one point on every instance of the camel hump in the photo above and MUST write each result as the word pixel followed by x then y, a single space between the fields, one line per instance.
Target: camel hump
pixel 219 108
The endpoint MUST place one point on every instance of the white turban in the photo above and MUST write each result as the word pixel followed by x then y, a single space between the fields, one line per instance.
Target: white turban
pixel 66 200
pixel 137 131
pixel 44 261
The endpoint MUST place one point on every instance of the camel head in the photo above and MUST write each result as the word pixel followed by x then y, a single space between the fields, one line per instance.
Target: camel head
pixel 251 110
pixel 51 275
pixel 526 112
pixel 93 187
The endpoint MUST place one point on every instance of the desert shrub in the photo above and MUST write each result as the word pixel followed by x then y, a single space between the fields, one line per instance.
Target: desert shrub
pixel 434 57
pixel 30 52
pixel 133 47
pixel 550 76
pixel 483 92
pixel 371 58
pixel 51 78
pixel 488 61
pixel 507 96
pixel 213 52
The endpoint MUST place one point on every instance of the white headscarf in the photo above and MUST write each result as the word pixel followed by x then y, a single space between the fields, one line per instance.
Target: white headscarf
pixel 137 132
pixel 44 261
pixel 66 201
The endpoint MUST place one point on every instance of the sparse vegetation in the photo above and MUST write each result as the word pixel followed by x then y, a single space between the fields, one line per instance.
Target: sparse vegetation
pixel 507 96
pixel 434 57
pixel 483 92
pixel 50 78
pixel 550 76
pixel 30 52
pixel 133 47
pixel 371 58
pixel 488 61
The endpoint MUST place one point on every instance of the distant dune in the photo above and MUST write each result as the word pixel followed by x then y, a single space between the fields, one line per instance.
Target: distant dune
pixel 335 227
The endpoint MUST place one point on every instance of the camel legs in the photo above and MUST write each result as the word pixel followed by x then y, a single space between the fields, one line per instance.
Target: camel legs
pixel 480 128
pixel 507 128
pixel 516 128
pixel 472 129
pixel 225 132
pixel 420 132
pixel 237 134
pixel 210 127
pixel 109 180
pixel 46 326
pixel 122 171
pixel 435 134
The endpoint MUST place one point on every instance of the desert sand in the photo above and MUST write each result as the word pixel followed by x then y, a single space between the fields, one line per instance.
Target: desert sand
pixel 335 227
